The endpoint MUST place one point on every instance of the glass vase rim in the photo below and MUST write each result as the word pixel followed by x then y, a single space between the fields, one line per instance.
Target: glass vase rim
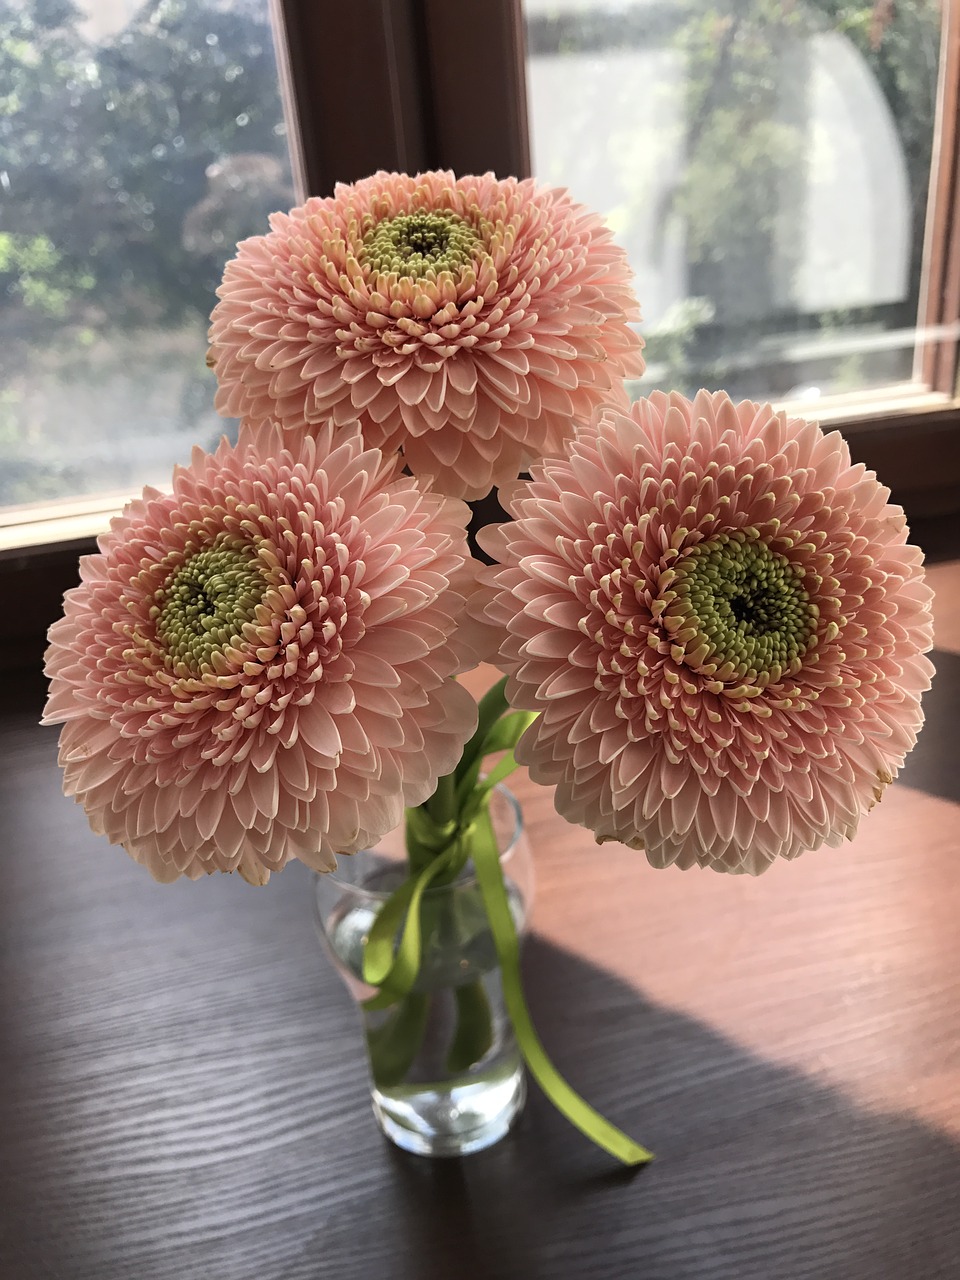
pixel 465 879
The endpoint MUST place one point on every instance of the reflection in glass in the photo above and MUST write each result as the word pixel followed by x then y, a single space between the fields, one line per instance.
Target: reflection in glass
pixel 766 165
pixel 138 143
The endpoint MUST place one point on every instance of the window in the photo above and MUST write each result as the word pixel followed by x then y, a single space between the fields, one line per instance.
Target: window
pixel 766 166
pixel 817 259
pixel 137 144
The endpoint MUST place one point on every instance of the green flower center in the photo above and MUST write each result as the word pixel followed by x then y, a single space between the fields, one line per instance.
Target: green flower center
pixel 202 607
pixel 412 245
pixel 736 610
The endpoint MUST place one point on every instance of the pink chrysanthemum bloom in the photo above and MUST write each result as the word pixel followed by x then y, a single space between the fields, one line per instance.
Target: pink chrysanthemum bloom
pixel 256 667
pixel 723 625
pixel 465 321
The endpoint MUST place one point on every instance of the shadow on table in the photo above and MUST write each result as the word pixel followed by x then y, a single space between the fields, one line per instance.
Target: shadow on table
pixel 931 766
pixel 244 1152
pixel 760 1172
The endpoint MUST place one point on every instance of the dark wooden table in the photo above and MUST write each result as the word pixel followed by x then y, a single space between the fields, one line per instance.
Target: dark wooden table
pixel 183 1091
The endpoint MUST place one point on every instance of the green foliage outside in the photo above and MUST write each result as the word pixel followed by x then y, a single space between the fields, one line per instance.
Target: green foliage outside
pixel 129 167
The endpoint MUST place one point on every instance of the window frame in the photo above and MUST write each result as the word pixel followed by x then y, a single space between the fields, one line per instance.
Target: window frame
pixel 939 312
pixel 413 68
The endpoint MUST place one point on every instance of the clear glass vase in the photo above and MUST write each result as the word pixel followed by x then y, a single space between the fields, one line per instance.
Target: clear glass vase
pixel 446 1074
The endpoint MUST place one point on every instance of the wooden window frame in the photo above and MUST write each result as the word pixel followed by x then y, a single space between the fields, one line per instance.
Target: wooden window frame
pixel 936 363
pixel 415 103
pixel 432 84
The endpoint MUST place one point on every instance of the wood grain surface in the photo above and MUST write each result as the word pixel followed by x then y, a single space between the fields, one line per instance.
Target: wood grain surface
pixel 184 1093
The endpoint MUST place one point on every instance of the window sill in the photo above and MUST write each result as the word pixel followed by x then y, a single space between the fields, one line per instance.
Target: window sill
pixel 907 435
pixel 62 525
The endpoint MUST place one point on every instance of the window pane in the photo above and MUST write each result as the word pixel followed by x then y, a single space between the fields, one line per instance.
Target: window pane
pixel 766 166
pixel 138 143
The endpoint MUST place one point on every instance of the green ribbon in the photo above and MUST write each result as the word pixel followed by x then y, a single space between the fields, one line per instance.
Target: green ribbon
pixel 486 860
pixel 395 971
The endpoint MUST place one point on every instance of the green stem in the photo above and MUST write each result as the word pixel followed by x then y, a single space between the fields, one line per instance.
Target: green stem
pixel 442 805
pixel 473 1035
pixel 393 1046
pixel 491 707
pixel 432 826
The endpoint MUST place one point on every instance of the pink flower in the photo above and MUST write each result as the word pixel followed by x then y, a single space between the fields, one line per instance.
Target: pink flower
pixel 257 666
pixel 723 625
pixel 465 322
